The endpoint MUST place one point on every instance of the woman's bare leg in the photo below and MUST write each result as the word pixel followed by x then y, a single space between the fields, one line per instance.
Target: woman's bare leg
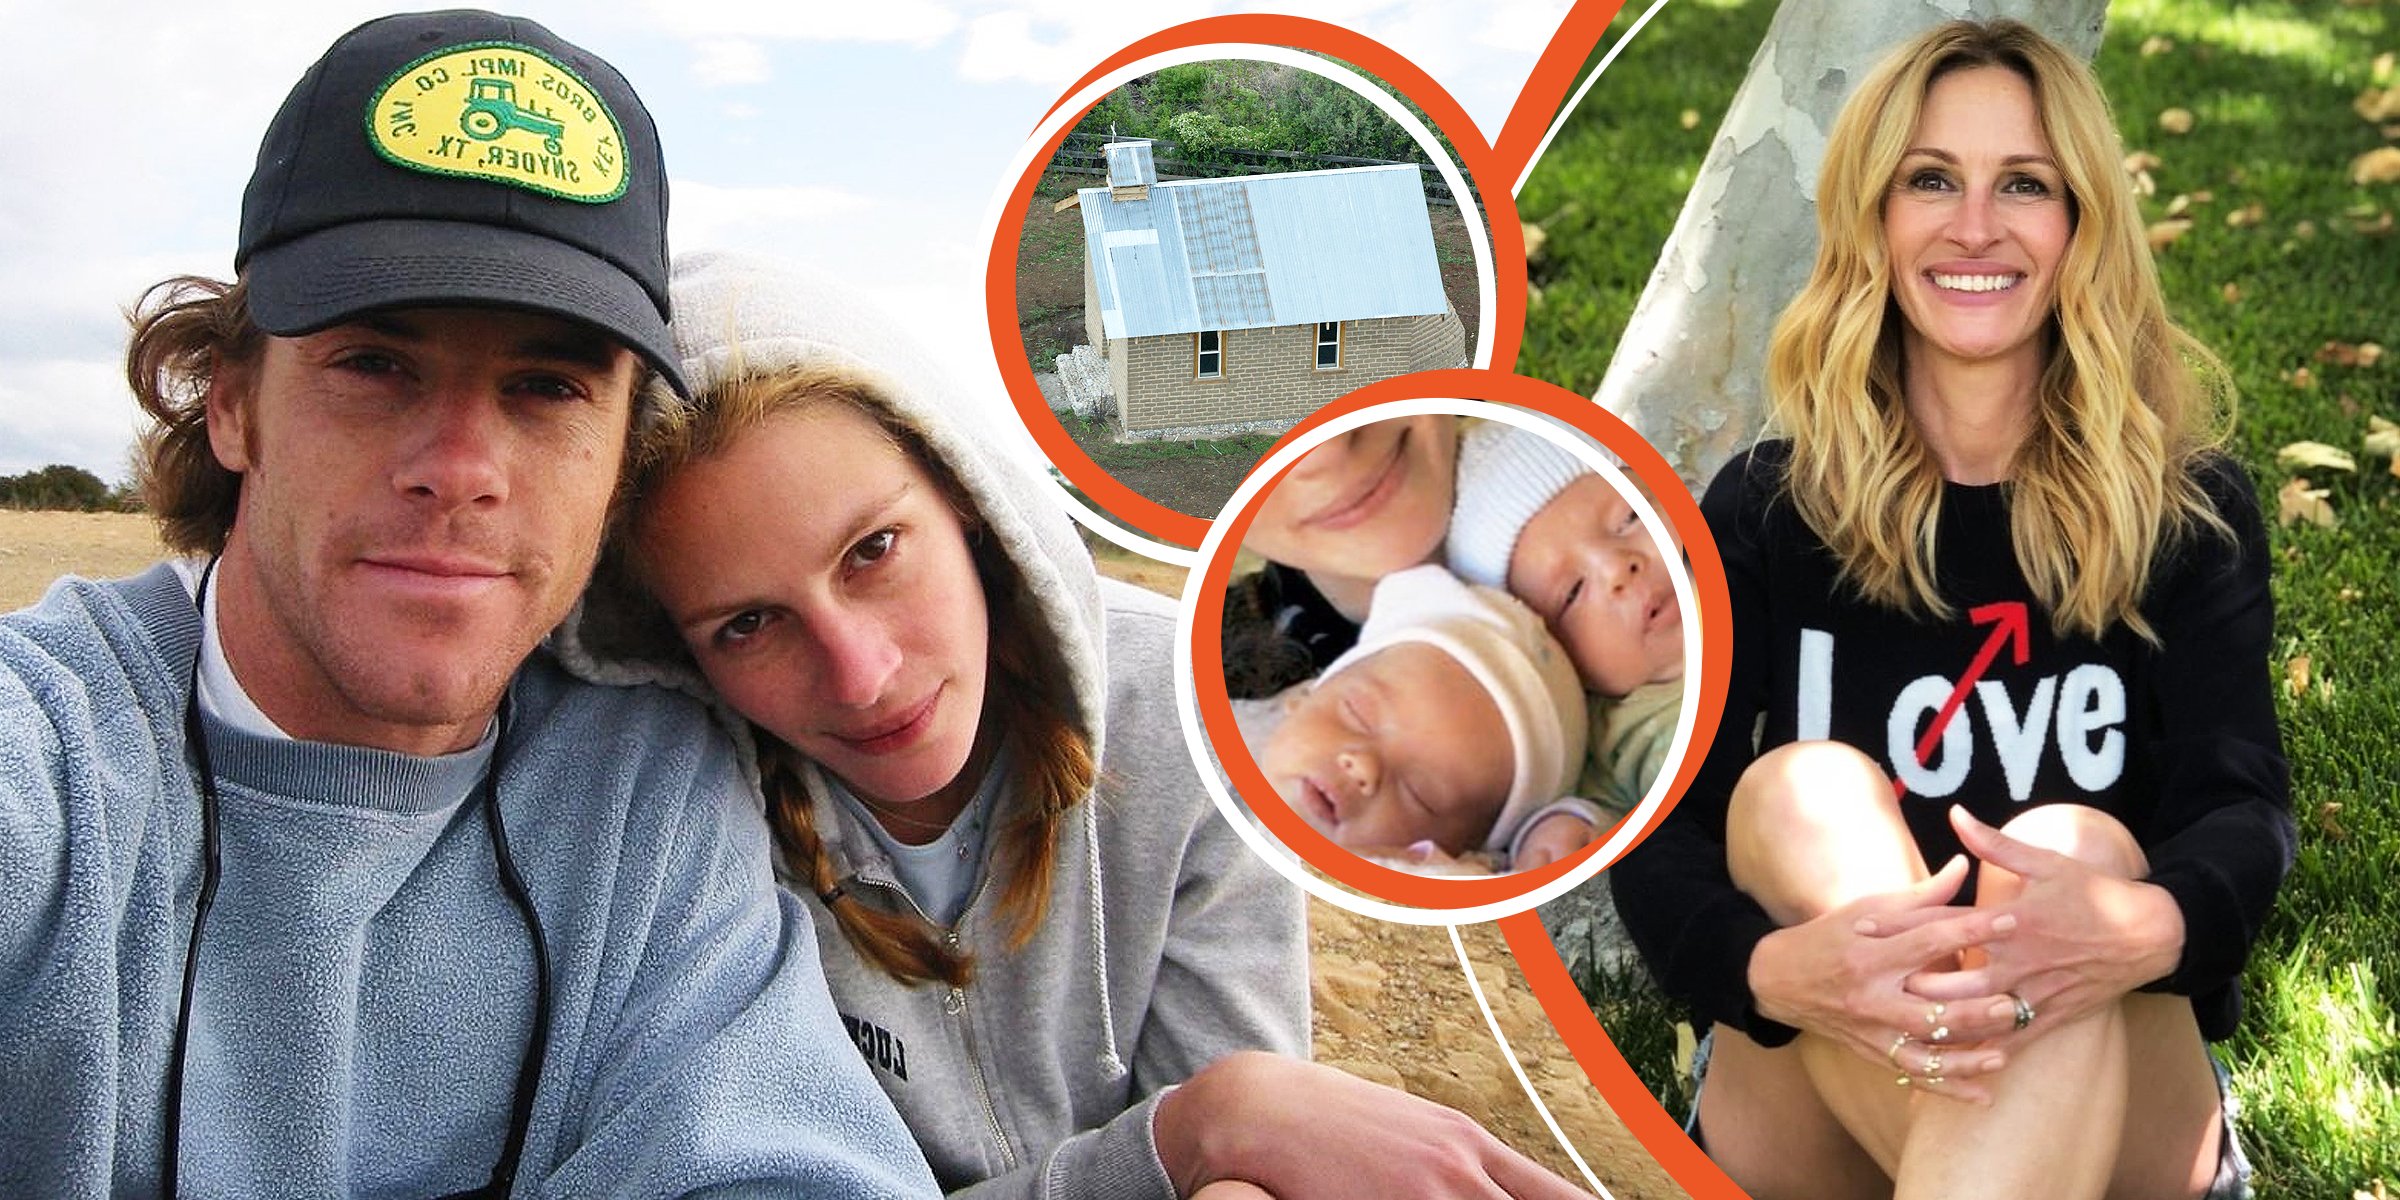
pixel 2059 1123
pixel 1812 826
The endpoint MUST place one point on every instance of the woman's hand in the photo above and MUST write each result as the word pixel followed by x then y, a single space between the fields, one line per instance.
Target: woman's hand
pixel 2083 938
pixel 1307 1132
pixel 1842 977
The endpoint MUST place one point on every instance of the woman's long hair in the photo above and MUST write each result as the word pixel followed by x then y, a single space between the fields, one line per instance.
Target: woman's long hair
pixel 2102 485
pixel 1027 694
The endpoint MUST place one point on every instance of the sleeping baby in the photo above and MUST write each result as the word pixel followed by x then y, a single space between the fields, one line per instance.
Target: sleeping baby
pixel 1453 727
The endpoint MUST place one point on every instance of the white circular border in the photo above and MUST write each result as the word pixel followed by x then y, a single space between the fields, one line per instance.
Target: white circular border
pixel 1281 857
pixel 1072 108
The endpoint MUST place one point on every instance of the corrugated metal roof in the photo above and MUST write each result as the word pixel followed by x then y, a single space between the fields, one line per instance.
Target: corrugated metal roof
pixel 1129 164
pixel 1261 250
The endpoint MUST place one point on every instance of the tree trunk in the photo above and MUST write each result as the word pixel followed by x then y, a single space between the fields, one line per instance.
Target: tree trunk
pixel 1690 372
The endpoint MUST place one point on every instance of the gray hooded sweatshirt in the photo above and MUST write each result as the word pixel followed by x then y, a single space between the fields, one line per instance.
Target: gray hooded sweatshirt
pixel 1166 945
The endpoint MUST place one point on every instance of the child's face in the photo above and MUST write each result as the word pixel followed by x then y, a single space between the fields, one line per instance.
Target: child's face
pixel 1586 564
pixel 1404 746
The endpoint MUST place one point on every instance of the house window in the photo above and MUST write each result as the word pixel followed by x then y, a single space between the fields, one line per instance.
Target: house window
pixel 1209 361
pixel 1329 345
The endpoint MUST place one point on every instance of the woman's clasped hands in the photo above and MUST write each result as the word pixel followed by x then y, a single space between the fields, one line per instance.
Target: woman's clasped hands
pixel 1846 976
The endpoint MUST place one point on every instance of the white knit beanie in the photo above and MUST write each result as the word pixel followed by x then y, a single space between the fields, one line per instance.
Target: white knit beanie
pixel 1503 645
pixel 1505 475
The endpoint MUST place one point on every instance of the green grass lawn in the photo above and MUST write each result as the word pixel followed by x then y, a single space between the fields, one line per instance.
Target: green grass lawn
pixel 2317 1060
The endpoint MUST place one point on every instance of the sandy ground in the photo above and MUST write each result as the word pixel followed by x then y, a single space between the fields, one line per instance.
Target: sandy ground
pixel 1392 1003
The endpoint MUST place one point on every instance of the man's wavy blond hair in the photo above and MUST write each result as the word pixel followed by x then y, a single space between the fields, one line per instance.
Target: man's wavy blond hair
pixel 2104 482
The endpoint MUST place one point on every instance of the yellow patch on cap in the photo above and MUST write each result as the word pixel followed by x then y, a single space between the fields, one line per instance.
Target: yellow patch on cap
pixel 502 112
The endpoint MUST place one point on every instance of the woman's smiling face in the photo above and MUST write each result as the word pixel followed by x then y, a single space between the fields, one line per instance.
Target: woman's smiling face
pixel 1976 222
pixel 1365 504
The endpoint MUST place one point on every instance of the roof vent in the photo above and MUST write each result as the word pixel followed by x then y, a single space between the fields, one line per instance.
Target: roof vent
pixel 1130 171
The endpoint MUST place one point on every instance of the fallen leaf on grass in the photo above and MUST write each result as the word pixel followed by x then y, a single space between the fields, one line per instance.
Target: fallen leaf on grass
pixel 2383 438
pixel 2376 226
pixel 2156 44
pixel 2381 68
pixel 2300 502
pixel 2140 161
pixel 2379 165
pixel 1691 118
pixel 2143 185
pixel 2295 675
pixel 2231 292
pixel 2332 828
pixel 2348 595
pixel 1535 238
pixel 2247 215
pixel 2305 230
pixel 2176 206
pixel 2176 120
pixel 2164 233
pixel 2304 455
pixel 2377 104
pixel 2301 377
pixel 2203 196
pixel 2347 354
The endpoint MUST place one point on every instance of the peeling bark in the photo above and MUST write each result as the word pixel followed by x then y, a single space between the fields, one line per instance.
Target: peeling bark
pixel 1690 372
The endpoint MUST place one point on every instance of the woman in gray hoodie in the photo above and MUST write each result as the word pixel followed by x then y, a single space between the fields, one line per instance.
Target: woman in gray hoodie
pixel 1060 962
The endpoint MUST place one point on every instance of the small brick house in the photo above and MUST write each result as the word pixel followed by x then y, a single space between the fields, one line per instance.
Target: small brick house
pixel 1260 297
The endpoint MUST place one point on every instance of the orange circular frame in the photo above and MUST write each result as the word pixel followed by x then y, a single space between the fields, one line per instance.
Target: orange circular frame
pixel 1475 158
pixel 1675 505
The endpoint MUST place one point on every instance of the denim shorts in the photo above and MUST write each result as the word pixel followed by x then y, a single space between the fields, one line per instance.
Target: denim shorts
pixel 2233 1167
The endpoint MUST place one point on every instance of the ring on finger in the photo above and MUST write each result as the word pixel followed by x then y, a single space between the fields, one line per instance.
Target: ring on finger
pixel 2025 1013
pixel 1932 1070
pixel 1904 1080
pixel 1894 1052
pixel 1933 1016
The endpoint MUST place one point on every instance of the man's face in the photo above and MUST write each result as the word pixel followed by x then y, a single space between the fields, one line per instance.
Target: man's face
pixel 422 495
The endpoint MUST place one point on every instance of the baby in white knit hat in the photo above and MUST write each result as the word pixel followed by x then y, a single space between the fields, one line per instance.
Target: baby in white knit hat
pixel 1454 726
pixel 1534 519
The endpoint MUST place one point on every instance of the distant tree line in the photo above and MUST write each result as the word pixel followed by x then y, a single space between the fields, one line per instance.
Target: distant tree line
pixel 1209 108
pixel 58 486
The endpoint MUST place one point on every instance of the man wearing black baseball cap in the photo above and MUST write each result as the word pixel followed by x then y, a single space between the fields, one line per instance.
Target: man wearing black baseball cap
pixel 316 874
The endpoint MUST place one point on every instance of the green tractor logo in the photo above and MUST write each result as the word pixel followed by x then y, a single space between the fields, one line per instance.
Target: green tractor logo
pixel 492 110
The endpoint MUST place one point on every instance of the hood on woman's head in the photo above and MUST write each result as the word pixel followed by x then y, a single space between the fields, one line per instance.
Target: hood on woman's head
pixel 738 318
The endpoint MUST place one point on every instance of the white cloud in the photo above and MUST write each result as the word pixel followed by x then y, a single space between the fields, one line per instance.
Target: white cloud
pixel 710 216
pixel 730 63
pixel 1055 43
pixel 918 22
pixel 66 411
pixel 1525 27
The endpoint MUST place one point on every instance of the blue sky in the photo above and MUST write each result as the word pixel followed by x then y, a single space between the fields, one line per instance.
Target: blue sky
pixel 802 130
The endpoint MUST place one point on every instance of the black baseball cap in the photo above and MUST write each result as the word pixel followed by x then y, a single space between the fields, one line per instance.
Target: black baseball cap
pixel 460 157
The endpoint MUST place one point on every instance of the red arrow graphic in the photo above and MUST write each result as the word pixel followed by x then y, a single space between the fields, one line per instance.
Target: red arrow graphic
pixel 2009 624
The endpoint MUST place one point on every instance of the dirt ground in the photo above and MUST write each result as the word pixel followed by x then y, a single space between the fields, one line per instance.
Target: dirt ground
pixel 1197 481
pixel 1050 316
pixel 1392 1004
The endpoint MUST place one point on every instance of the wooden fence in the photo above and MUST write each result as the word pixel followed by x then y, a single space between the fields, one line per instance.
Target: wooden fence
pixel 1080 154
